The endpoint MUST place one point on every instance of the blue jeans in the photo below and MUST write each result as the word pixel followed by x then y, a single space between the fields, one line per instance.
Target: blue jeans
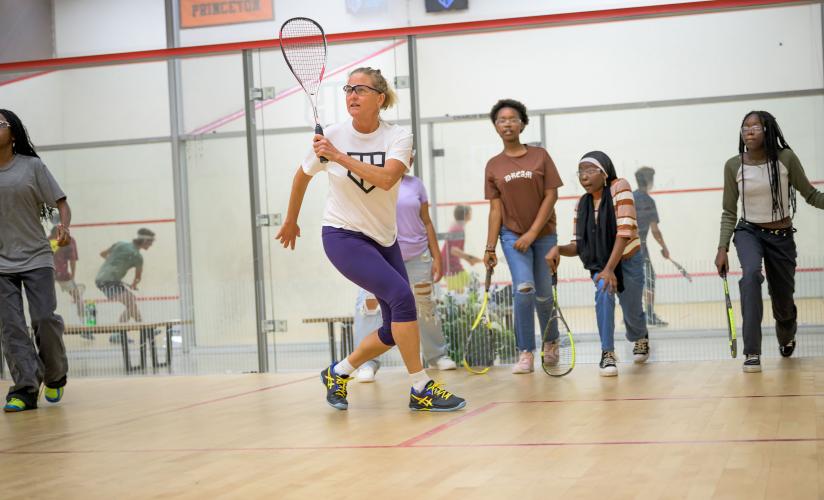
pixel 631 304
pixel 532 287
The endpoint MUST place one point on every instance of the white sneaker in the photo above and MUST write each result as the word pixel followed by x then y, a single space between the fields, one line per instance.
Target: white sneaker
pixel 444 363
pixel 525 364
pixel 366 373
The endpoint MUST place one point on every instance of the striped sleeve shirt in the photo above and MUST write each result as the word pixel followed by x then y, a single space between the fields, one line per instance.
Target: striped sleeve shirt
pixel 625 216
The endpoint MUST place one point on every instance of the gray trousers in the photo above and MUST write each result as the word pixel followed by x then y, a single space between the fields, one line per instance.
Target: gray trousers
pixel 778 253
pixel 32 365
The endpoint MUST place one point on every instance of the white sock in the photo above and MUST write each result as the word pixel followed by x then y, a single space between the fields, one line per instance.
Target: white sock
pixel 344 368
pixel 419 380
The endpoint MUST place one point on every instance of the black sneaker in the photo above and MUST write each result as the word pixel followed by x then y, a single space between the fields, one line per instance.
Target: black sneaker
pixel 640 352
pixel 607 365
pixel 787 349
pixel 335 388
pixel 433 397
pixel 753 363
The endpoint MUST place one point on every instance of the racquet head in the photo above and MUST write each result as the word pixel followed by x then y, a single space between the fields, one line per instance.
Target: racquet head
pixel 558 355
pixel 303 44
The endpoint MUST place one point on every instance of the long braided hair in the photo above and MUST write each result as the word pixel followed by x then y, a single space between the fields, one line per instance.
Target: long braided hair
pixel 22 146
pixel 774 143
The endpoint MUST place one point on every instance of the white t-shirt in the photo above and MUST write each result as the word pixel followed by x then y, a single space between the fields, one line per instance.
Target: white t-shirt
pixel 754 183
pixel 353 203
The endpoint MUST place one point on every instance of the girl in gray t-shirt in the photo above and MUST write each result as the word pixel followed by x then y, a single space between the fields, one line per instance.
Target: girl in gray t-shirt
pixel 29 193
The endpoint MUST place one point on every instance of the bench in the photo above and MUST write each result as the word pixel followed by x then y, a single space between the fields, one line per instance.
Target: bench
pixel 347 342
pixel 147 336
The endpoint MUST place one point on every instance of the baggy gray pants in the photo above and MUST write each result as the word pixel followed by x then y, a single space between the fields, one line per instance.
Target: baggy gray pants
pixel 777 250
pixel 31 365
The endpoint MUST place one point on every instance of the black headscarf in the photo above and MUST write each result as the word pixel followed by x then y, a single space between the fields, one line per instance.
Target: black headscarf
pixel 595 240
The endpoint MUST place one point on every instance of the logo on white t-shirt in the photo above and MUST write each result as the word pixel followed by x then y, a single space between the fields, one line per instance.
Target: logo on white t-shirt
pixel 378 159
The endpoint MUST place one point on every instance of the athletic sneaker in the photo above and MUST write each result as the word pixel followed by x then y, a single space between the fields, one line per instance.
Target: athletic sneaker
pixel 607 365
pixel 335 387
pixel 525 364
pixel 15 404
pixel 366 373
pixel 433 397
pixel 753 363
pixel 444 363
pixel 640 352
pixel 787 349
pixel 551 353
pixel 53 395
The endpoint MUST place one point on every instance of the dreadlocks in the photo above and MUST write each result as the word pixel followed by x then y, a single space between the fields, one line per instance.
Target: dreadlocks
pixel 22 146
pixel 774 143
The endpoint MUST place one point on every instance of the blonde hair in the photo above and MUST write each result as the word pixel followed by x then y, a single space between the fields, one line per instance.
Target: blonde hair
pixel 380 83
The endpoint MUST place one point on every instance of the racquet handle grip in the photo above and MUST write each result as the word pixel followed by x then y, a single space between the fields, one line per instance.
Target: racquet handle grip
pixel 319 131
pixel 488 282
pixel 554 279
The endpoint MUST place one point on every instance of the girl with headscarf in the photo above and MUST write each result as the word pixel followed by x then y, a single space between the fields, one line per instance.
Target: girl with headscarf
pixel 606 241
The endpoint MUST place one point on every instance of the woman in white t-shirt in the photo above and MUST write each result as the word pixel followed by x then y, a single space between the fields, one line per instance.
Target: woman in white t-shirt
pixel 367 159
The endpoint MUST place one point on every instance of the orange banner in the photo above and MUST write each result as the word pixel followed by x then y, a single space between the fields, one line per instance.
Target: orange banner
pixel 198 13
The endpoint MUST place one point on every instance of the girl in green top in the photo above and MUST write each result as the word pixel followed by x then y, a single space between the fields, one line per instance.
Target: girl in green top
pixel 764 176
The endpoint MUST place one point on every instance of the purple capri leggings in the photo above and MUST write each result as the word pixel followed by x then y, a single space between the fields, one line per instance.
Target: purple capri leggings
pixel 377 269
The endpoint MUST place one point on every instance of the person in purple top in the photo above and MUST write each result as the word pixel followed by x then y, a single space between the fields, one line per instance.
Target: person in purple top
pixel 419 248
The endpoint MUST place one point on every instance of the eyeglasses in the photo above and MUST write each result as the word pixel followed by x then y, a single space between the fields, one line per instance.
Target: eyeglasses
pixel 589 172
pixel 755 129
pixel 361 90
pixel 5 125
pixel 505 121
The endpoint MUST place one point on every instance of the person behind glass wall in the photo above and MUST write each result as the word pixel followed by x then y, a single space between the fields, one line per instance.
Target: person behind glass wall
pixel 28 196
pixel 367 157
pixel 764 176
pixel 648 222
pixel 452 252
pixel 606 240
pixel 65 269
pixel 521 184
pixel 120 258
pixel 419 248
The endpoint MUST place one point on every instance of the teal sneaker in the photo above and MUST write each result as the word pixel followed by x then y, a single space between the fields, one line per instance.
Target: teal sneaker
pixel 53 395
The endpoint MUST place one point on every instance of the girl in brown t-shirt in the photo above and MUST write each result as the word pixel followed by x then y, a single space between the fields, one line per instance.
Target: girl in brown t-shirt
pixel 521 184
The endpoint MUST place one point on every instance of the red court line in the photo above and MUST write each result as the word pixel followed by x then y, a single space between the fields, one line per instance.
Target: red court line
pixel 13 449
pixel 239 114
pixel 660 398
pixel 235 396
pixel 545 444
pixel 437 430
pixel 466 416
pixel 575 197
pixel 594 16
pixel 707 274
pixel 625 443
pixel 156 298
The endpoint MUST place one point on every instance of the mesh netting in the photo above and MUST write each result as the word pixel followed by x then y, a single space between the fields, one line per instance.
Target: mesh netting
pixel 304 48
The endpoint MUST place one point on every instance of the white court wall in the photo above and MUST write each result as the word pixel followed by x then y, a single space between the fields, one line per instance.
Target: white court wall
pixel 84 27
pixel 598 64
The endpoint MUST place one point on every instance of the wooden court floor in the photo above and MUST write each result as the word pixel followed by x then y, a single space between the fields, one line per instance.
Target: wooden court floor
pixel 662 430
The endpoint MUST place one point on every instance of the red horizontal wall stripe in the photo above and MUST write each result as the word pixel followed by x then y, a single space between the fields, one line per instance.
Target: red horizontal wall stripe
pixel 436 29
